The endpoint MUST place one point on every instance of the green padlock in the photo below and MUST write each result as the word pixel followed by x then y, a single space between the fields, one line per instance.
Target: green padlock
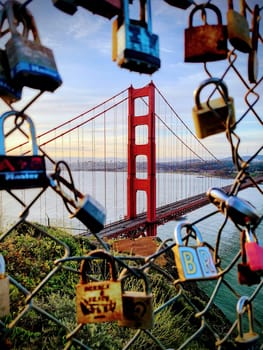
pixel 238 28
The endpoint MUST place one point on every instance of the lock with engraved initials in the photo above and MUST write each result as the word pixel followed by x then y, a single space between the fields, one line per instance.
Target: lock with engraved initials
pixel 137 305
pixel 4 289
pixel 216 115
pixel 207 42
pixel 98 301
pixel 254 252
pixel 246 340
pixel 238 28
pixel 134 46
pixel 21 171
pixel 31 64
pixel 193 262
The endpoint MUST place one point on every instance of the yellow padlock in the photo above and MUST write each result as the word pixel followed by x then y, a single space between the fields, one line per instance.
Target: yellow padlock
pixel 213 116
pixel 98 301
pixel 238 28
pixel 137 305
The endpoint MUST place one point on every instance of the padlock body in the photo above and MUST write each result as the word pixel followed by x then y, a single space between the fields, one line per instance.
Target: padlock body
pixel 91 213
pixel 67 6
pixel 105 8
pixel 246 275
pixel 137 49
pixel 194 263
pixel 207 122
pixel 98 302
pixel 249 341
pixel 238 31
pixel 8 91
pixel 183 4
pixel 254 254
pixel 205 43
pixel 4 297
pixel 21 172
pixel 32 64
pixel 137 310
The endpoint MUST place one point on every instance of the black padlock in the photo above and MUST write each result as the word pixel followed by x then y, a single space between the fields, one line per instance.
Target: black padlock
pixel 21 171
pixel 67 6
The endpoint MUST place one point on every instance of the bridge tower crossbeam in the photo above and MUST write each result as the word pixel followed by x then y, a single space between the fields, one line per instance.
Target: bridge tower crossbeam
pixel 134 183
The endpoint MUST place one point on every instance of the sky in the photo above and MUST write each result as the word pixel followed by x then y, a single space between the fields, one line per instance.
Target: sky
pixel 82 46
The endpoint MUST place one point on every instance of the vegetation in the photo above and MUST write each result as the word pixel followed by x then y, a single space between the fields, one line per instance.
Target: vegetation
pixel 30 252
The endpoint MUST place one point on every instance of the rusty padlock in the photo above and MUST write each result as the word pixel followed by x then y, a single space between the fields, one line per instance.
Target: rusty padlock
pixel 238 28
pixel 216 115
pixel 4 289
pixel 134 46
pixel 31 64
pixel 67 6
pixel 245 274
pixel 98 301
pixel 182 4
pixel 207 42
pixel 193 262
pixel 254 252
pixel 137 305
pixel 21 171
pixel 246 340
pixel 239 210
pixel 253 54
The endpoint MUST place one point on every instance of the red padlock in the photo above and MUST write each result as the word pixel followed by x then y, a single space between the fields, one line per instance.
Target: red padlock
pixel 254 252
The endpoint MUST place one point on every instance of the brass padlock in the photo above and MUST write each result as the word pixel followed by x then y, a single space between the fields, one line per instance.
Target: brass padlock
pixel 238 28
pixel 182 4
pixel 216 115
pixel 137 305
pixel 193 262
pixel 134 46
pixel 4 289
pixel 91 213
pixel 207 42
pixel 67 6
pixel 98 301
pixel 246 340
pixel 105 8
pixel 21 171
pixel 31 64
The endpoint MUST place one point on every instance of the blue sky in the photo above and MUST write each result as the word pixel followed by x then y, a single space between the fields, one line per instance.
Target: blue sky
pixel 82 47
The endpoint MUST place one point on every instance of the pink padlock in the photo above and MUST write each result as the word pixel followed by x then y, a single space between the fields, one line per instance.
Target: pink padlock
pixel 254 252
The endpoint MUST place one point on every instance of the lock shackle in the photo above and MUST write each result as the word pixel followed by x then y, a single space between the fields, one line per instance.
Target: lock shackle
pixel 202 7
pixel 100 254
pixel 186 224
pixel 31 136
pixel 217 196
pixel 216 81
pixel 145 12
pixel 138 273
pixel 244 304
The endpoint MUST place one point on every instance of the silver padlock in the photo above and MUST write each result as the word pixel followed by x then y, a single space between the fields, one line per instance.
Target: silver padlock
pixel 193 262
pixel 239 210
pixel 4 289
pixel 21 171
pixel 215 115
pixel 246 340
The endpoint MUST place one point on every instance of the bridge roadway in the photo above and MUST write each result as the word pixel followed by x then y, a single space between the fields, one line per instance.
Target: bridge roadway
pixel 172 211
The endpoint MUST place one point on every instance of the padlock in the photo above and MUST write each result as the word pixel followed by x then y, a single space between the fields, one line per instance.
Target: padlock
pixel 239 210
pixel 245 274
pixel 98 301
pixel 238 28
pixel 183 4
pixel 31 64
pixel 253 54
pixel 254 252
pixel 91 213
pixel 134 46
pixel 213 116
pixel 192 262
pixel 105 8
pixel 21 171
pixel 207 42
pixel 67 6
pixel 4 289
pixel 246 340
pixel 137 305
